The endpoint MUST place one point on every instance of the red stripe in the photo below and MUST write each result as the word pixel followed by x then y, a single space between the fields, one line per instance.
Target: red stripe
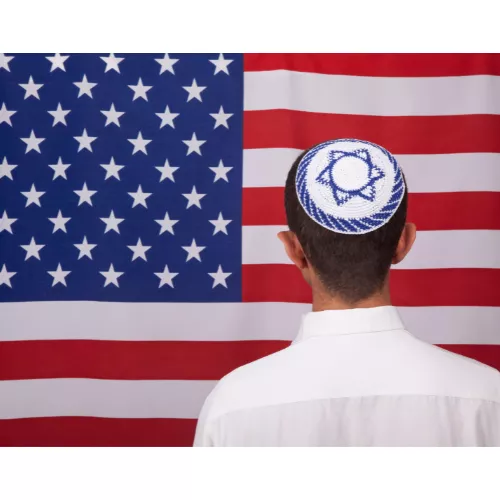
pixel 429 211
pixel 416 65
pixel 128 360
pixel 487 354
pixel 283 128
pixel 274 283
pixel 91 431
pixel 421 287
pixel 39 359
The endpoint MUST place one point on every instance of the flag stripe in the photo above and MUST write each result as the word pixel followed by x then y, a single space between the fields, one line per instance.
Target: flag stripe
pixel 354 95
pixel 429 211
pixel 148 322
pixel 283 128
pixel 92 431
pixel 129 360
pixel 77 397
pixel 422 287
pixel 423 173
pixel 394 65
pixel 257 321
pixel 76 359
pixel 468 249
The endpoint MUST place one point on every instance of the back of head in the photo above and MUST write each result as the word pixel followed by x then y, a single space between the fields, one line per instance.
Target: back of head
pixel 350 265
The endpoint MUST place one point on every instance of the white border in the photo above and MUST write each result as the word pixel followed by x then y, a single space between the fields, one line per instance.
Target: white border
pixel 257 26
pixel 286 473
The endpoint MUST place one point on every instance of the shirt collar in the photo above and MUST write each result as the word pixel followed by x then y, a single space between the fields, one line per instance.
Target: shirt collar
pixel 349 321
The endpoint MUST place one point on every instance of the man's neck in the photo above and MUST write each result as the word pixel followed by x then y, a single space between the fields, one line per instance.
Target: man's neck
pixel 325 302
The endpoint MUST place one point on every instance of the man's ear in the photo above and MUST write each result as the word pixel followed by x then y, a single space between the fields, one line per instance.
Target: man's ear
pixel 293 249
pixel 405 242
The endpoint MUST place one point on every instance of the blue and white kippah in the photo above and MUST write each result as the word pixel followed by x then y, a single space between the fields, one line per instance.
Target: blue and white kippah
pixel 349 186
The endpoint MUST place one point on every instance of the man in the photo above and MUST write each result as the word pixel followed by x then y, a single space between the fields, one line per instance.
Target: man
pixel 354 376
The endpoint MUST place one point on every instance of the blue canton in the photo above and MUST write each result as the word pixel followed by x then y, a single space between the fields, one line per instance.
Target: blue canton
pixel 121 177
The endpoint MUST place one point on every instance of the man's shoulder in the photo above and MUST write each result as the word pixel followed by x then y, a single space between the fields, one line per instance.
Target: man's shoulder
pixel 465 372
pixel 246 386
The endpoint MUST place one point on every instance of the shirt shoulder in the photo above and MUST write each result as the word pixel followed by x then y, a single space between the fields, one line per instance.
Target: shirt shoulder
pixel 469 376
pixel 246 386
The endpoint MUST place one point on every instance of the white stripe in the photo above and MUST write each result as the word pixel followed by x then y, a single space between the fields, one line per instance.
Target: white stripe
pixel 143 321
pixel 103 398
pixel 454 249
pixel 424 173
pixel 220 322
pixel 453 325
pixel 382 96
pixel 432 249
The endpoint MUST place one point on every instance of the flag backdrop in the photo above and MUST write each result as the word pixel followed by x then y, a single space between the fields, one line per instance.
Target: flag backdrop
pixel 140 197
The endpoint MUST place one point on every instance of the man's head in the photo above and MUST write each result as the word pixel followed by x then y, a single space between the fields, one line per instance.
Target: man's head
pixel 350 267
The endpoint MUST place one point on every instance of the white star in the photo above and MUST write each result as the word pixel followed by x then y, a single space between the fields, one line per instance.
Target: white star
pixel 167 172
pixel 112 62
pixel 4 61
pixel 85 87
pixel 59 275
pixel 59 222
pixel 194 145
pixel 221 118
pixel 112 169
pixel 85 195
pixel 220 277
pixel 5 223
pixel 6 169
pixel 5 115
pixel 140 90
pixel 111 276
pixel 60 169
pixel 140 197
pixel 193 251
pixel 166 277
pixel 194 91
pixel 166 224
pixel 32 142
pixel 167 118
pixel 112 116
pixel 85 248
pixel 139 144
pixel 57 61
pixel 112 223
pixel 4 274
pixel 139 250
pixel 32 250
pixel 59 115
pixel 31 88
pixel 85 141
pixel 220 224
pixel 33 196
pixel 167 64
pixel 221 64
pixel 220 171
pixel 194 198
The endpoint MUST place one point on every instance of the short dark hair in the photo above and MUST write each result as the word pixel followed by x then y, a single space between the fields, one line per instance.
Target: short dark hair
pixel 350 266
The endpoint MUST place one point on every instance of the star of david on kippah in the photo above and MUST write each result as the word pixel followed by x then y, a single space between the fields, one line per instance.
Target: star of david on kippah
pixel 349 179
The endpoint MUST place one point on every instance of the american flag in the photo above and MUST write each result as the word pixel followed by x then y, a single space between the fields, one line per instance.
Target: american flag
pixel 140 197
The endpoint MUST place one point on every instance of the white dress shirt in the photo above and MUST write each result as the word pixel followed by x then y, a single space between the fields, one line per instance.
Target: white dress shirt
pixel 355 378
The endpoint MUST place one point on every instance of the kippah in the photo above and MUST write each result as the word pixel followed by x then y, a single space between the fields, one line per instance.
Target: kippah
pixel 349 186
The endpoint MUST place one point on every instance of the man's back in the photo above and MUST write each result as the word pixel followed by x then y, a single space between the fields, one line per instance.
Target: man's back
pixel 355 378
